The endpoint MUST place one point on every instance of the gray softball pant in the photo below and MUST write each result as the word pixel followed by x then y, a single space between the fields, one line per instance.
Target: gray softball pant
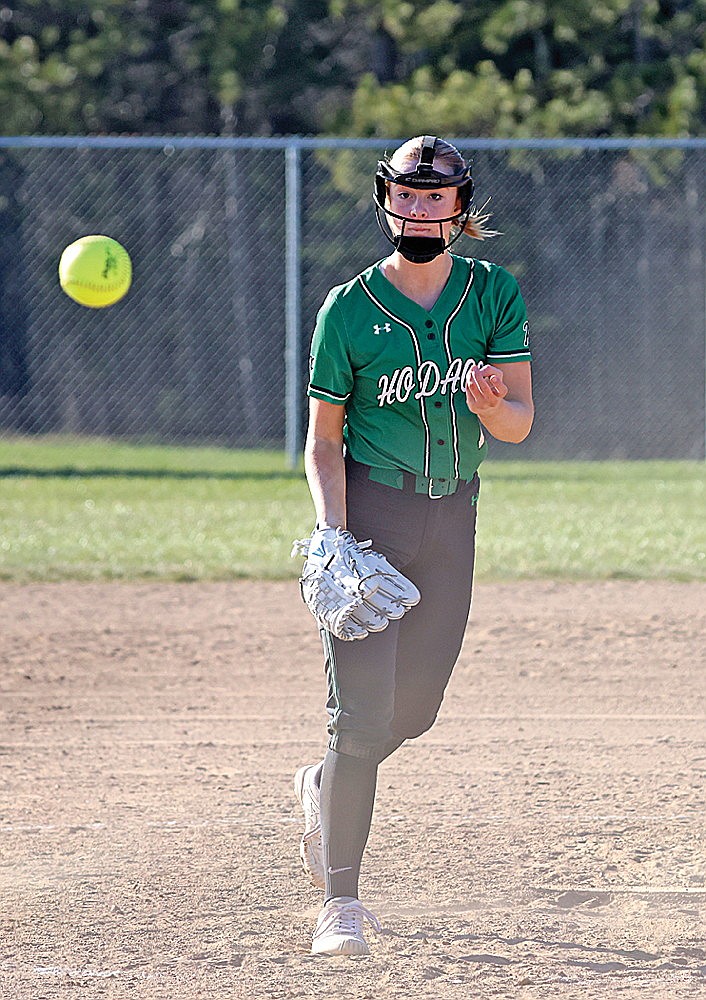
pixel 388 687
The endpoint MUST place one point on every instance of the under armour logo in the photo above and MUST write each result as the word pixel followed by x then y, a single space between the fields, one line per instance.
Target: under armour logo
pixel 381 328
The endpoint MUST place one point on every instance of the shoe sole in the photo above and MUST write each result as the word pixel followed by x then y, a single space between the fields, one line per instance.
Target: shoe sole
pixel 311 871
pixel 347 947
pixel 315 877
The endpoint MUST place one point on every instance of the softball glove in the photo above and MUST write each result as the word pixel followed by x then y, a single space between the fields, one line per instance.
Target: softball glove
pixel 349 588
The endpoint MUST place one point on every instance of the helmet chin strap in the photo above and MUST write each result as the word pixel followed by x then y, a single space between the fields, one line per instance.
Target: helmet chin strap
pixel 419 249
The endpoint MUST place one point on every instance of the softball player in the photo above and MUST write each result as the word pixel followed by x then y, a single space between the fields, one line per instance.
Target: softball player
pixel 412 362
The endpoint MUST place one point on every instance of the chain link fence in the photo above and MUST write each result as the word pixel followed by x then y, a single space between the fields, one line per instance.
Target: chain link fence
pixel 236 242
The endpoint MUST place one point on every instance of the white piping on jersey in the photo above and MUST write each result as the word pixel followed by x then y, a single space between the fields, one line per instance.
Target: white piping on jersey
pixel 498 355
pixel 335 397
pixel 447 345
pixel 418 354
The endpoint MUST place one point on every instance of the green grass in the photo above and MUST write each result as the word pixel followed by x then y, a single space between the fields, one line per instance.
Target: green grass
pixel 593 520
pixel 87 510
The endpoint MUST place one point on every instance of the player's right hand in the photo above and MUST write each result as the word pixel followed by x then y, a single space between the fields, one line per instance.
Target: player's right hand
pixel 485 388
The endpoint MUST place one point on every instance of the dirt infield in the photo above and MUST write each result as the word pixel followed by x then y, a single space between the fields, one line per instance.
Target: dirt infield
pixel 545 839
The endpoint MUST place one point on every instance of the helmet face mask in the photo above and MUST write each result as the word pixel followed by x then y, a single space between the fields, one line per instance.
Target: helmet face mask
pixel 421 249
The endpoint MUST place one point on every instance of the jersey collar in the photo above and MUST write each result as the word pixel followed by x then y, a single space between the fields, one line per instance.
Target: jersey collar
pixel 411 311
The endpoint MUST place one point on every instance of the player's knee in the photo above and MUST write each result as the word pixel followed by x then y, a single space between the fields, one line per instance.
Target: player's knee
pixel 416 726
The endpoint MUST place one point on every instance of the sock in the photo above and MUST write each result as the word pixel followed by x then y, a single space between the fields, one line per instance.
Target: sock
pixel 347 797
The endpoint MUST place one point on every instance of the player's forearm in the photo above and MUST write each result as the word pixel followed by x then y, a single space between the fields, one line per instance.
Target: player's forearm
pixel 326 475
pixel 510 421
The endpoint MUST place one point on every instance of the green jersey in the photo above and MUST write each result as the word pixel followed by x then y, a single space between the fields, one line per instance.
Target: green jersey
pixel 400 370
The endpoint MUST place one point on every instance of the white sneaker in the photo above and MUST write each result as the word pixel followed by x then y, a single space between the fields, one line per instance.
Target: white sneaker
pixel 311 851
pixel 339 929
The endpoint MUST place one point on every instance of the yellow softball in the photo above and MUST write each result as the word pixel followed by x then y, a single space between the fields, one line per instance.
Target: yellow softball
pixel 95 271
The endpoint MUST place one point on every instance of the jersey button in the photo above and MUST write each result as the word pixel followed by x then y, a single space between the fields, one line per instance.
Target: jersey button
pixel 438 405
pixel 429 322
pixel 431 336
pixel 441 441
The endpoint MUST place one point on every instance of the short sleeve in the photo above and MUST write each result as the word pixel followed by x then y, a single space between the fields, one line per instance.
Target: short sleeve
pixel 510 338
pixel 330 372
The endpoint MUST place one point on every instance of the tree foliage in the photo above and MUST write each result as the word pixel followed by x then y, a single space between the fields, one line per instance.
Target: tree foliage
pixel 364 67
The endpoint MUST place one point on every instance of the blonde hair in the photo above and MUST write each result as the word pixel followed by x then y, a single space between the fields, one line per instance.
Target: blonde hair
pixel 448 157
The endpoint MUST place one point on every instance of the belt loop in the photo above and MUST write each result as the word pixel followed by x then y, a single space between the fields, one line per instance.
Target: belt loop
pixel 387 477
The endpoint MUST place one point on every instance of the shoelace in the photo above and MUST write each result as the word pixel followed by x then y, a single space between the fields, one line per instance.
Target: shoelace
pixel 346 918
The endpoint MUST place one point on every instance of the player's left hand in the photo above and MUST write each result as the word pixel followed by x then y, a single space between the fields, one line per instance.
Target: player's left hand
pixel 350 588
pixel 485 388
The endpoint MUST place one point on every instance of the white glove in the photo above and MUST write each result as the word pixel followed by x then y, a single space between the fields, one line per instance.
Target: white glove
pixel 349 588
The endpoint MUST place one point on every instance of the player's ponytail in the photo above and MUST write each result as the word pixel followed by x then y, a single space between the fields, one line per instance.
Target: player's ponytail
pixel 475 224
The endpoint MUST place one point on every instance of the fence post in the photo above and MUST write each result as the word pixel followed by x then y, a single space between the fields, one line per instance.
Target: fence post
pixel 292 155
